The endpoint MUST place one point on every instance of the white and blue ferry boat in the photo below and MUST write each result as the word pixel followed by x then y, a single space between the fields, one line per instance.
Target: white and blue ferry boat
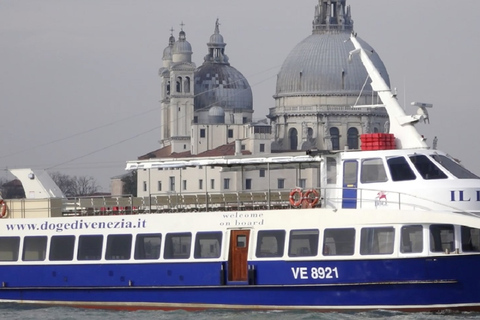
pixel 400 230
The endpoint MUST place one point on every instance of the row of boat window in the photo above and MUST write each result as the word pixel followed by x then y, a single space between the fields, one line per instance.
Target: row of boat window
pixel 207 245
pixel 401 168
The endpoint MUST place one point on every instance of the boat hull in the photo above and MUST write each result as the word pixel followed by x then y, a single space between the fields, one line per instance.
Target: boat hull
pixel 416 284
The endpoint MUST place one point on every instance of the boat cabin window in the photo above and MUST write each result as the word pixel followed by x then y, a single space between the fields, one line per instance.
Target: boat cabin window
pixel 34 248
pixel 427 169
pixel 270 243
pixel 373 171
pixel 350 173
pixel 411 240
pixel 442 238
pixel 331 170
pixel 119 247
pixel 470 239
pixel 61 248
pixel 177 245
pixel 339 242
pixel 208 245
pixel 90 247
pixel 9 247
pixel 400 170
pixel 377 240
pixel 147 246
pixel 453 167
pixel 303 243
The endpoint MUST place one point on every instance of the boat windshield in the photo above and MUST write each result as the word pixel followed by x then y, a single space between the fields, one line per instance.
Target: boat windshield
pixel 453 167
pixel 400 170
pixel 427 169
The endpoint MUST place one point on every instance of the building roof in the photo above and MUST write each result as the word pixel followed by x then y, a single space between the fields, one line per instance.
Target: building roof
pixel 166 152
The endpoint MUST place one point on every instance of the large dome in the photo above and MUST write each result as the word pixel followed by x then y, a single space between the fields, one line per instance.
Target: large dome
pixel 221 85
pixel 319 65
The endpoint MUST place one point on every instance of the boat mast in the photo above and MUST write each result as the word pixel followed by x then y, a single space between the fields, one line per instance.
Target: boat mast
pixel 401 124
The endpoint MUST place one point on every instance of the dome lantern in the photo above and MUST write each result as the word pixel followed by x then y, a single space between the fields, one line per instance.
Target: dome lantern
pixel 331 15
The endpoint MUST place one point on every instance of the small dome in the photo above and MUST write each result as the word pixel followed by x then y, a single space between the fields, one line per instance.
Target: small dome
pixel 182 46
pixel 216 38
pixel 216 111
pixel 319 65
pixel 167 53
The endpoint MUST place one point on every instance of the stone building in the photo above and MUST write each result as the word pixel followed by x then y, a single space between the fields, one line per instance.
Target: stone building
pixel 207 111
pixel 317 86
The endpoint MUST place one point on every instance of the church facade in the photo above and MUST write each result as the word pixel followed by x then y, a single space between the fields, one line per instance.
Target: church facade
pixel 207 111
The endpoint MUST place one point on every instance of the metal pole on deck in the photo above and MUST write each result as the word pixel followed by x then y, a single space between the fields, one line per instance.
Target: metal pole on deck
pixel 268 188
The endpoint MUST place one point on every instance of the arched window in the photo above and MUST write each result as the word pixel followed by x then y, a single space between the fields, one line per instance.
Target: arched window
pixel 186 85
pixel 352 138
pixel 293 138
pixel 335 137
pixel 168 88
pixel 179 84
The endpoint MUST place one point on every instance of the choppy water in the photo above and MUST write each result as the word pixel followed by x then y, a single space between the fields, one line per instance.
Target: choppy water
pixel 57 313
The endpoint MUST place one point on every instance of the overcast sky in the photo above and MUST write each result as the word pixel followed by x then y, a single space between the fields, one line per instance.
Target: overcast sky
pixel 79 85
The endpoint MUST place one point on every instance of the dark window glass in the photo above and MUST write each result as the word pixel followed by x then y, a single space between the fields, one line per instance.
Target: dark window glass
pixel 241 241
pixel 202 133
pixel 339 242
pixel 352 138
pixel 230 133
pixel 427 169
pixel 61 248
pixel 208 245
pixel 373 171
pixel 303 243
pixel 442 238
pixel 335 138
pixel 9 247
pixel 470 239
pixel 455 168
pixel 34 248
pixel 411 239
pixel 177 246
pixel 331 170
pixel 248 184
pixel 270 243
pixel 90 247
pixel 119 247
pixel 377 240
pixel 147 246
pixel 400 170
pixel 350 173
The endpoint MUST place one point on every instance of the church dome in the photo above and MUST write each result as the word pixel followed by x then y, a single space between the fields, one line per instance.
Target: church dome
pixel 217 83
pixel 167 52
pixel 221 85
pixel 182 45
pixel 319 65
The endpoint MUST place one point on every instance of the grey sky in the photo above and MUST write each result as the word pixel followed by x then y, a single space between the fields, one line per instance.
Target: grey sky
pixel 91 67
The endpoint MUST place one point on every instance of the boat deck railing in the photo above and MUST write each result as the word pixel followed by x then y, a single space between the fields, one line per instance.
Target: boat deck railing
pixel 206 202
